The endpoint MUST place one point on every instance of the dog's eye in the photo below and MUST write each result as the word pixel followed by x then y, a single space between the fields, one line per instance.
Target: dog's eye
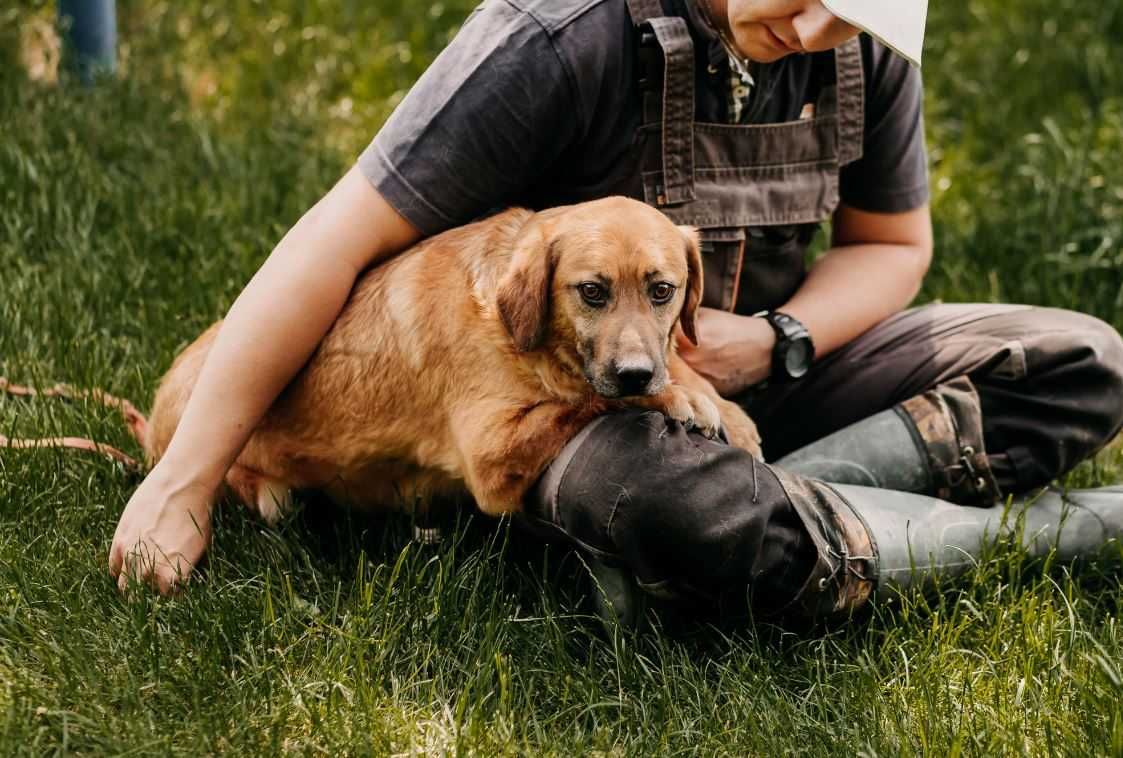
pixel 662 292
pixel 592 293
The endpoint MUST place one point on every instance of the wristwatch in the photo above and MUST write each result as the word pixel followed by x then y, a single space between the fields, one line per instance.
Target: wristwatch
pixel 794 350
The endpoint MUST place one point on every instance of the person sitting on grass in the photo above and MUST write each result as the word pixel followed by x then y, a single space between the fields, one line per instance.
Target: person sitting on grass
pixel 755 121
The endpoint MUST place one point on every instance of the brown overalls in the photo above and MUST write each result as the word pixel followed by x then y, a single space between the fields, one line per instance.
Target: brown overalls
pixel 681 511
pixel 758 193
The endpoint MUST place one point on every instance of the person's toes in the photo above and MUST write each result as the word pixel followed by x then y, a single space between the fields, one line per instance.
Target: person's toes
pixel 167 578
pixel 115 561
pixel 136 568
pixel 123 581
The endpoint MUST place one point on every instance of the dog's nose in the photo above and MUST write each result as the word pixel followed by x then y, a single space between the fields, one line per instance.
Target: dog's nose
pixel 633 380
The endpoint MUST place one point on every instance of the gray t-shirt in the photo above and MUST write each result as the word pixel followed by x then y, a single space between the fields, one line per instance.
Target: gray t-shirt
pixel 535 103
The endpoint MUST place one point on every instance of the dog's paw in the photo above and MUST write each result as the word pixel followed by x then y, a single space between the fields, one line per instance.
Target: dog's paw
pixel 740 429
pixel 693 410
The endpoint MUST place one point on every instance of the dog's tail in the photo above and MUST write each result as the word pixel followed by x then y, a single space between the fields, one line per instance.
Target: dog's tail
pixel 134 420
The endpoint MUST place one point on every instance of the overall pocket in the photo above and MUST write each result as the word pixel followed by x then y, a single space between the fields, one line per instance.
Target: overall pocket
pixel 773 267
pixel 722 251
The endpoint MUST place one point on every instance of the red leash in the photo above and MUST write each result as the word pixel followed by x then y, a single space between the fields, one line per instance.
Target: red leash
pixel 134 419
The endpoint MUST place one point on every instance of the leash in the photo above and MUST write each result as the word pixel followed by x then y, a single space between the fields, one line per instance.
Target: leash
pixel 134 420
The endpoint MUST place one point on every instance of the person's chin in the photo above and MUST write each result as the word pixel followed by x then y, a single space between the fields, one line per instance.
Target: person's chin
pixel 762 45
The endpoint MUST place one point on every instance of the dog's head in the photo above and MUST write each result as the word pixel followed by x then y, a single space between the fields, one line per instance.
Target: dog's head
pixel 608 279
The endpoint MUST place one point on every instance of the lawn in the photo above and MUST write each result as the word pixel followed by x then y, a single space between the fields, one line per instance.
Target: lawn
pixel 131 215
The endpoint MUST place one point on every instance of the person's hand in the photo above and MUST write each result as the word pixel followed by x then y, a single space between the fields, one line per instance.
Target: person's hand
pixel 162 534
pixel 733 352
pixel 766 30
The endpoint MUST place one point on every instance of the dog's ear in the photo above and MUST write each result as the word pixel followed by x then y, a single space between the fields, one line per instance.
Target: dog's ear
pixel 688 317
pixel 523 298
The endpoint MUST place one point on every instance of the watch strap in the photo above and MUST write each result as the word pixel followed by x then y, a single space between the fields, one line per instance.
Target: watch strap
pixel 787 327
pixel 788 330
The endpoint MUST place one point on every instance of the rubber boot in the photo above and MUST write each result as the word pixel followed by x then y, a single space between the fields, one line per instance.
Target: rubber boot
pixel 885 465
pixel 879 451
pixel 931 444
pixel 616 597
pixel 658 512
pixel 874 543
pixel 918 539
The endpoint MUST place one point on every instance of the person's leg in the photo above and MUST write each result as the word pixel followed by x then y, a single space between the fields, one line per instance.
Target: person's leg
pixel 691 515
pixel 669 512
pixel 1042 387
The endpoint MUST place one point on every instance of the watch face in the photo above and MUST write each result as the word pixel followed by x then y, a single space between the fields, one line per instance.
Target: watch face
pixel 797 358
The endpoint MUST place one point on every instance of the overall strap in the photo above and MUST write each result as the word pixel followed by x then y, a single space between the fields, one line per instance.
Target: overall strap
pixel 673 37
pixel 643 10
pixel 678 109
pixel 851 101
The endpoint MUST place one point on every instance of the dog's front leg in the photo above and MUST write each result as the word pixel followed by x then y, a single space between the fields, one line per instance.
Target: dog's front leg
pixel 505 447
pixel 739 428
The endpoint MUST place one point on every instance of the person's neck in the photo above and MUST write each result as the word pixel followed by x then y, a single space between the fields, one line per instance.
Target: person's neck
pixel 717 14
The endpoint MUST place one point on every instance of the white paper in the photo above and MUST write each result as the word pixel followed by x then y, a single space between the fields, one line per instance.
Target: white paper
pixel 897 23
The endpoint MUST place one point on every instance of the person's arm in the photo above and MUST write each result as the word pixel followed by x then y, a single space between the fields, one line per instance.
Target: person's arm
pixel 873 270
pixel 882 239
pixel 269 333
pixel 489 117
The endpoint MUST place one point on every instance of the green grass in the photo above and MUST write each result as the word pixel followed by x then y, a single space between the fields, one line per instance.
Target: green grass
pixel 131 215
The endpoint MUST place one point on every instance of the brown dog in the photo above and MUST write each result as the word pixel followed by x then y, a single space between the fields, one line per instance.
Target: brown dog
pixel 472 358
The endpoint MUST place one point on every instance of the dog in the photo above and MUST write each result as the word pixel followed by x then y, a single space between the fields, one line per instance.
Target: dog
pixel 468 362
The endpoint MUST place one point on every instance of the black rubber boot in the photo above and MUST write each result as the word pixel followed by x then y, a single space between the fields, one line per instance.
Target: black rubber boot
pixel 616 596
pixel 658 511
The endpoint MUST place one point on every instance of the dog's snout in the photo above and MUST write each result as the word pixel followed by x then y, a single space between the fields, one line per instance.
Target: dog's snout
pixel 634 378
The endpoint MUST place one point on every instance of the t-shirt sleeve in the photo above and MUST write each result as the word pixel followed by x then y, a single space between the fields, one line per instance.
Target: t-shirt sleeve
pixel 892 175
pixel 491 113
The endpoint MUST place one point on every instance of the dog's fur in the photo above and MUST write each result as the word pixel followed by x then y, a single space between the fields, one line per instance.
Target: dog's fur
pixel 472 358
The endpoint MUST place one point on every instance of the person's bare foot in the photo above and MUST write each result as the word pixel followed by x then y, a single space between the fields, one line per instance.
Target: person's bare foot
pixel 163 533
